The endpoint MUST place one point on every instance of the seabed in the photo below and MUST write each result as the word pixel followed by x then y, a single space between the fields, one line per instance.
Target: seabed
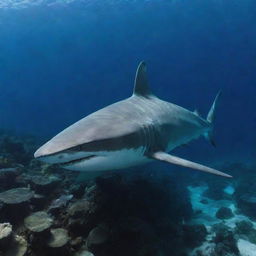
pixel 45 210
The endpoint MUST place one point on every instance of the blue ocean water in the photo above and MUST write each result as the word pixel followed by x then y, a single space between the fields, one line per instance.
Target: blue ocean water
pixel 61 60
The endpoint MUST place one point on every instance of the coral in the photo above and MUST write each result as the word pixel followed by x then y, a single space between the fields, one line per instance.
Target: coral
pixel 225 242
pixel 16 149
pixel 5 235
pixel 59 238
pixel 83 253
pixel 97 236
pixel 38 221
pixel 142 213
pixel 16 204
pixel 79 208
pixel 8 176
pixel 60 202
pixel 16 195
pixel 18 247
pixel 43 184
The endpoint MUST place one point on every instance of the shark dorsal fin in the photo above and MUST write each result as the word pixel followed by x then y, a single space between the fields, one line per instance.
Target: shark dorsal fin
pixel 141 87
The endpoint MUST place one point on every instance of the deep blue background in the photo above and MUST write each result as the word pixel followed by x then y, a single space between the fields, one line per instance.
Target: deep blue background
pixel 58 63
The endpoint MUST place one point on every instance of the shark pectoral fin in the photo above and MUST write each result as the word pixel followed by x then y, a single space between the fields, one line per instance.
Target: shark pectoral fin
pixel 162 156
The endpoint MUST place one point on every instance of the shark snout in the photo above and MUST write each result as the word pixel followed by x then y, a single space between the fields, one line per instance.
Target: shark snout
pixel 46 150
pixel 48 155
pixel 44 156
pixel 41 152
pixel 38 154
pixel 51 153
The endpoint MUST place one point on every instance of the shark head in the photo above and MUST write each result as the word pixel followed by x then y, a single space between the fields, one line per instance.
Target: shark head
pixel 94 143
pixel 110 138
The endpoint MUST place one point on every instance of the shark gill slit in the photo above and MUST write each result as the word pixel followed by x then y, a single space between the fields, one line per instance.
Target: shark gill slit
pixel 149 139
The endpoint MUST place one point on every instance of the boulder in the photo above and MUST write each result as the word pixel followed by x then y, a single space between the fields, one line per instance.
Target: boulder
pixel 224 213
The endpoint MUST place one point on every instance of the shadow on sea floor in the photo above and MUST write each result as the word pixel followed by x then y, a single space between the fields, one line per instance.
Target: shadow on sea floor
pixel 45 210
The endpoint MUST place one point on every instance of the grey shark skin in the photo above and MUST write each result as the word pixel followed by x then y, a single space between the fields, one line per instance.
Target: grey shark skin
pixel 130 132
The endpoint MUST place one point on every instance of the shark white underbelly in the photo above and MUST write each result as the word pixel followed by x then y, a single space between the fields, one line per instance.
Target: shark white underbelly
pixel 109 160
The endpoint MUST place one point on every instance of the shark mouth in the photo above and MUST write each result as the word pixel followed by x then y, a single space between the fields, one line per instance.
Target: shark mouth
pixel 72 162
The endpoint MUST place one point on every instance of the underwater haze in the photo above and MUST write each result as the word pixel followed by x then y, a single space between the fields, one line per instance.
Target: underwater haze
pixel 61 60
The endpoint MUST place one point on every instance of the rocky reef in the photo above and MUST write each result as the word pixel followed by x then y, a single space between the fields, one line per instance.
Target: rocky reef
pixel 46 211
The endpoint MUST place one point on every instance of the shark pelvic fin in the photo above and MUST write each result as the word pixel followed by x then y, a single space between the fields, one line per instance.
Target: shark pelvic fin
pixel 162 156
pixel 209 137
pixel 141 87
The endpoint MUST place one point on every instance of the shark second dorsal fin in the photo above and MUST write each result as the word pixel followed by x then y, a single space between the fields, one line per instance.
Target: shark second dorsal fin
pixel 141 87
pixel 162 156
pixel 196 112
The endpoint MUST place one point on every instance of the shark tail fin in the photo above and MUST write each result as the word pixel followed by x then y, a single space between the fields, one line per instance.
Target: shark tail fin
pixel 210 119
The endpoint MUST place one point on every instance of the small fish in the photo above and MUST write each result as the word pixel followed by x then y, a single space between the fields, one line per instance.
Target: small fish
pixel 130 132
pixel 61 201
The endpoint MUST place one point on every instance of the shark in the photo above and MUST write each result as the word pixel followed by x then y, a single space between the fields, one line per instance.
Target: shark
pixel 130 132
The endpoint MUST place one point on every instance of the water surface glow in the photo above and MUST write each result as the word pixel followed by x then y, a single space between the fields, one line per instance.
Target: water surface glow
pixel 20 4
